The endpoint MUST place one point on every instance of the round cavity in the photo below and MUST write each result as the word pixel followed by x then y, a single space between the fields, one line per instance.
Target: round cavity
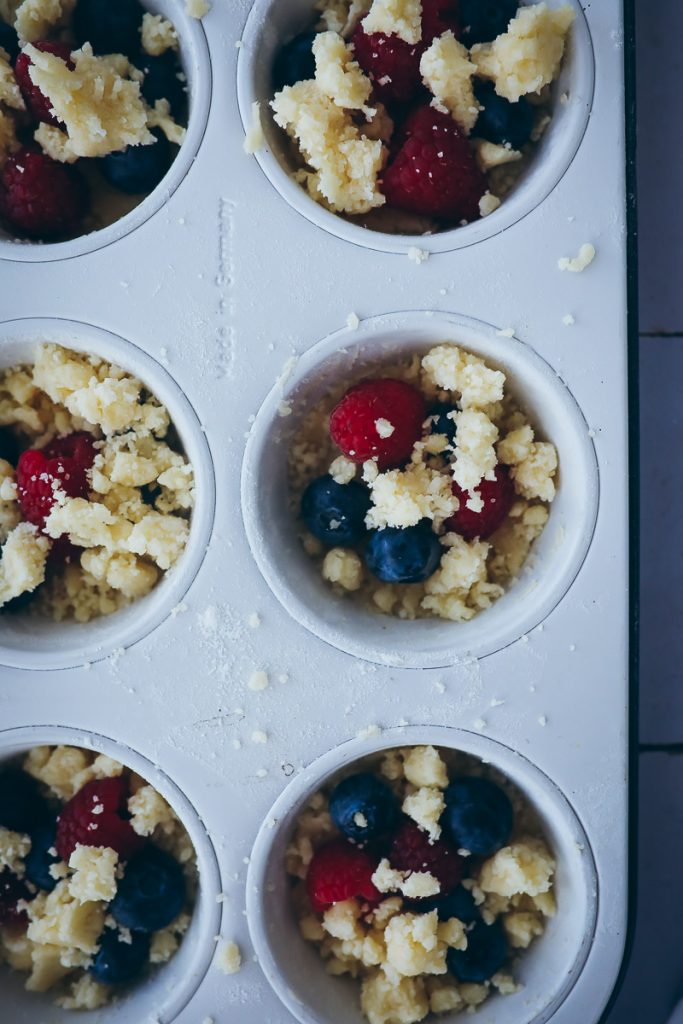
pixel 196 63
pixel 273 22
pixel 36 642
pixel 167 991
pixel 548 970
pixel 293 576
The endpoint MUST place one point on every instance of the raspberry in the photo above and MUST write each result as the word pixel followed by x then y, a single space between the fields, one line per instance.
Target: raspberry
pixel 61 466
pixel 498 496
pixel 94 817
pixel 433 171
pixel 40 197
pixel 411 850
pixel 12 889
pixel 38 104
pixel 393 64
pixel 354 421
pixel 339 871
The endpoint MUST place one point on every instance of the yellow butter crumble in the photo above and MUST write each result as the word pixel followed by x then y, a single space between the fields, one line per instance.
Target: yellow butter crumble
pixel 528 56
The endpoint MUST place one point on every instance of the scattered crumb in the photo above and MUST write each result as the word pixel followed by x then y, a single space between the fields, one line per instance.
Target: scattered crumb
pixel 254 138
pixel 416 255
pixel 259 736
pixel 542 720
pixel 576 264
pixel 197 8
pixel 258 680
pixel 352 322
pixel 368 732
pixel 506 332
pixel 479 723
pixel 568 320
pixel 254 620
pixel 228 957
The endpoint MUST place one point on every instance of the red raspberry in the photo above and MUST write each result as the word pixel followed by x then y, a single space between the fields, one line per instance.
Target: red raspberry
pixel 411 850
pixel 339 871
pixel 393 64
pixel 38 104
pixel 40 197
pixel 353 421
pixel 438 16
pixel 12 889
pixel 94 817
pixel 61 466
pixel 433 172
pixel 498 496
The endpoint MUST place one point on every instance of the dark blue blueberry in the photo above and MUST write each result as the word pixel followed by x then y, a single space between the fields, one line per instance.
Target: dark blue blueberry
pixel 367 795
pixel 478 815
pixel 22 806
pixel 151 893
pixel 483 20
pixel 10 449
pixel 110 26
pixel 501 121
pixel 486 952
pixel 295 61
pixel 9 40
pixel 407 555
pixel 458 903
pixel 39 860
pixel 117 961
pixel 441 422
pixel 161 80
pixel 335 513
pixel 137 169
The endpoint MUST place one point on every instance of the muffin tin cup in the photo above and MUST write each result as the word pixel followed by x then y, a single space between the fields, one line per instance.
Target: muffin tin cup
pixel 194 56
pixel 273 22
pixel 295 578
pixel 36 642
pixel 171 987
pixel 548 970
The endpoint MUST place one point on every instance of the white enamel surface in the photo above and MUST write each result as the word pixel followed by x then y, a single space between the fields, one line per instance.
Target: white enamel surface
pixel 230 280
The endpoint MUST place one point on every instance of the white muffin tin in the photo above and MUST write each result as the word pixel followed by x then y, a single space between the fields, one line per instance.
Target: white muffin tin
pixel 207 291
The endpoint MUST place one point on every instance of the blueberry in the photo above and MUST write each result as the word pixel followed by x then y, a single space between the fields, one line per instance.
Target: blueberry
pixel 368 799
pixel 22 806
pixel 10 449
pixel 442 421
pixel 483 20
pixel 110 27
pixel 137 169
pixel 161 81
pixel 39 860
pixel 458 903
pixel 295 61
pixel 407 555
pixel 9 40
pixel 478 815
pixel 151 893
pixel 335 513
pixel 486 952
pixel 117 961
pixel 501 121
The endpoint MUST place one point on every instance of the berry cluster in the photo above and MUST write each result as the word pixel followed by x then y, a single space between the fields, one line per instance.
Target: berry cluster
pixel 478 817
pixel 42 198
pixel 151 890
pixel 431 169
pixel 381 420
